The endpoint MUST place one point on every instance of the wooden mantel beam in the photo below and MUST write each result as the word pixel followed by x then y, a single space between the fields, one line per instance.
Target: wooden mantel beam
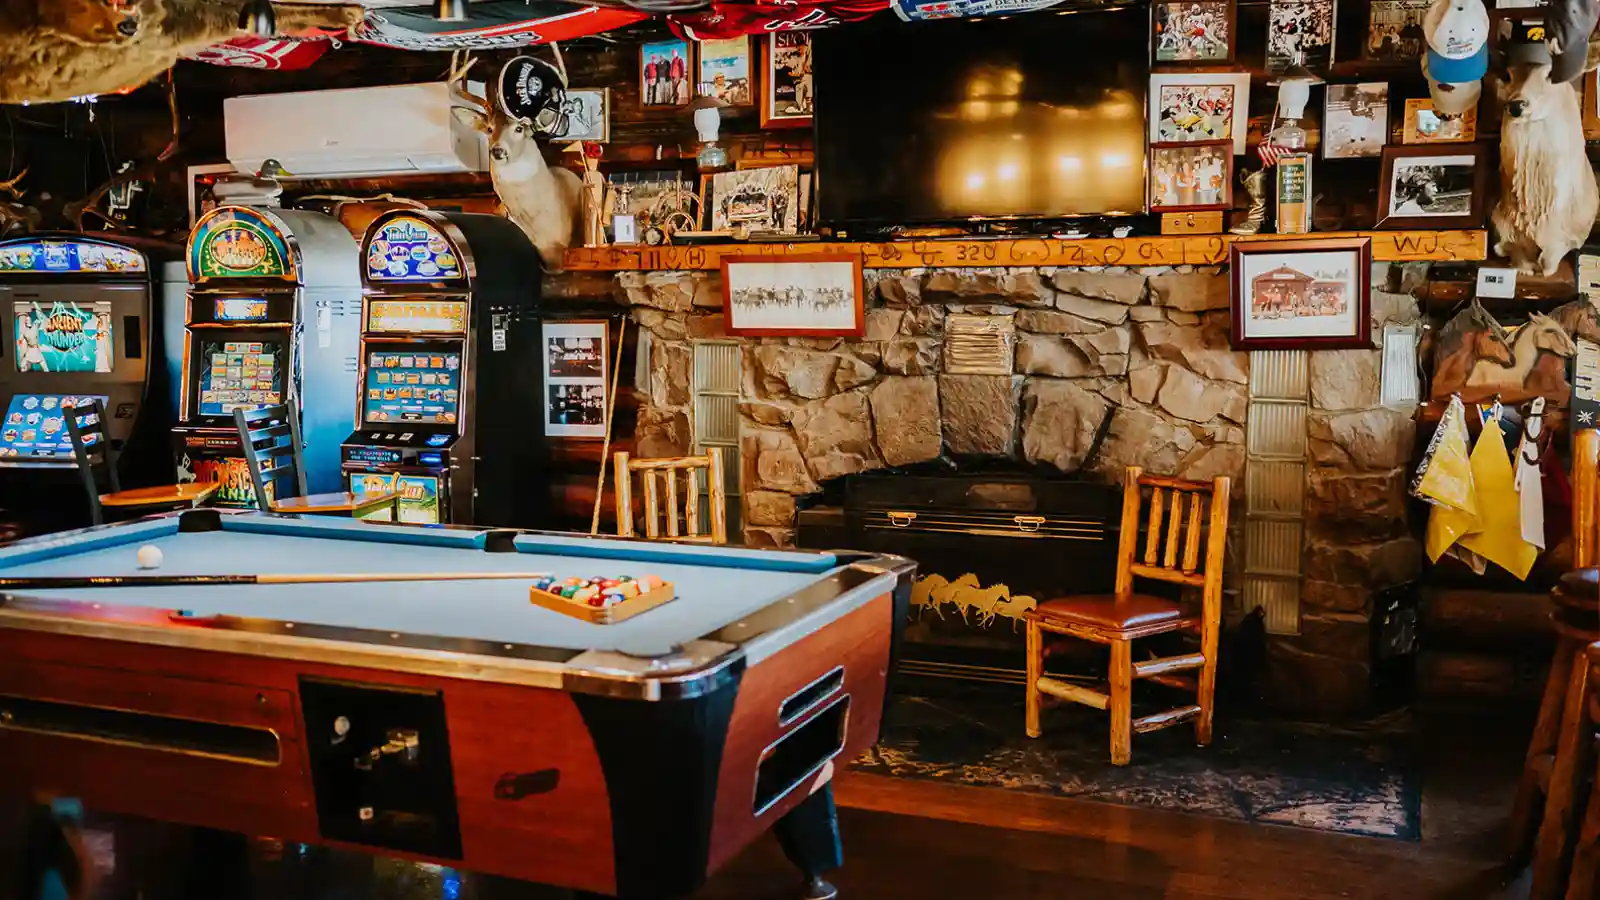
pixel 1193 250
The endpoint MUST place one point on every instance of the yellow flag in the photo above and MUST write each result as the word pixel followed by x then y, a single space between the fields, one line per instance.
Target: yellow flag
pixel 1446 482
pixel 1498 536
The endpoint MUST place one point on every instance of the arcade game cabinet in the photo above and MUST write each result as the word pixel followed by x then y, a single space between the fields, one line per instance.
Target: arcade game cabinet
pixel 76 317
pixel 274 297
pixel 447 409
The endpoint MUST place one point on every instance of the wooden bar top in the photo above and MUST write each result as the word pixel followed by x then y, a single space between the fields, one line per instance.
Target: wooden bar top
pixel 1155 250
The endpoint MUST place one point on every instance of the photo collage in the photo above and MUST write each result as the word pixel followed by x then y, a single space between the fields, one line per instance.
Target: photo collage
pixel 242 375
pixel 413 387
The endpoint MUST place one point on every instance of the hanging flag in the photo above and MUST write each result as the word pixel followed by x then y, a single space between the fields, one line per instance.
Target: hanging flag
pixel 1270 153
pixel 269 54
pixel 740 17
pixel 494 25
pixel 927 10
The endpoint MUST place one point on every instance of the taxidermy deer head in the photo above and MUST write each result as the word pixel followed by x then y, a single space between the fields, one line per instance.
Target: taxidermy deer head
pixel 542 201
pixel 89 21
pixel 1548 196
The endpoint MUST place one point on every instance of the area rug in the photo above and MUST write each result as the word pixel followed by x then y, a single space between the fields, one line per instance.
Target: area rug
pixel 1363 781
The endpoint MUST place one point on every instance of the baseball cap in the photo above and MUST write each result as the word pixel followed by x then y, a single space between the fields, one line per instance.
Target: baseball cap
pixel 1456 29
pixel 1454 97
pixel 1456 70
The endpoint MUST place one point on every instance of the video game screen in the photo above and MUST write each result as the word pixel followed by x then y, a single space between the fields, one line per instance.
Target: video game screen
pixel 238 375
pixel 36 427
pixel 418 386
pixel 63 337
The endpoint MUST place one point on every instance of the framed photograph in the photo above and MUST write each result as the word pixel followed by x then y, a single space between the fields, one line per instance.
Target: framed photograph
pixel 1191 177
pixel 1424 126
pixel 725 71
pixel 765 199
pixel 1200 106
pixel 656 198
pixel 786 98
pixel 664 68
pixel 1433 187
pixel 1302 294
pixel 1355 121
pixel 816 294
pixel 1394 31
pixel 576 363
pixel 1299 31
pixel 1192 31
pixel 588 112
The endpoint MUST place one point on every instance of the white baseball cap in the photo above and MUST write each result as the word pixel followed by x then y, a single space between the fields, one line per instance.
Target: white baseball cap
pixel 1456 29
pixel 1451 97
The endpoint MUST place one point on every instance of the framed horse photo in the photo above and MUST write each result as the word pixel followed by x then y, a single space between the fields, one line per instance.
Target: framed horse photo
pixel 1302 294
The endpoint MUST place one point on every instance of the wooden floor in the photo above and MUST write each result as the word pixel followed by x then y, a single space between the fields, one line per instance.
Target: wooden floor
pixel 911 840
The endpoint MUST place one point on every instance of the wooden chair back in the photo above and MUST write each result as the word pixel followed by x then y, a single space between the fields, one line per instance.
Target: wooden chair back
pixel 270 437
pixel 1184 532
pixel 91 447
pixel 659 481
pixel 1586 498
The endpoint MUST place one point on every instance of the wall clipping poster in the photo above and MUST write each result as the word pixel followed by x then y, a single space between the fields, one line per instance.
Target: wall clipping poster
pixel 575 366
pixel 1294 194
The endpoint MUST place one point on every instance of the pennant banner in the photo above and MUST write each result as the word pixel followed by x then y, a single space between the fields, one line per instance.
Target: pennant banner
pixel 495 24
pixel 270 54
pixel 734 19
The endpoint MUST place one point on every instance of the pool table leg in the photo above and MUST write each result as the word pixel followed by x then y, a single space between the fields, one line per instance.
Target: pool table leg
pixel 809 836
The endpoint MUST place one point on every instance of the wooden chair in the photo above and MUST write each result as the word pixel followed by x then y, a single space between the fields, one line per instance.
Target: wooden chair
pixel 91 446
pixel 270 437
pixel 654 471
pixel 1119 618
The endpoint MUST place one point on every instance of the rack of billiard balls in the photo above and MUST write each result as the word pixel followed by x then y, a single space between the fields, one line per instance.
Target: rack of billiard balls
pixel 602 600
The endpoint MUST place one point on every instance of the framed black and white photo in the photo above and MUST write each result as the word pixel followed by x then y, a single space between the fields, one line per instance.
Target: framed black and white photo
pixel 1199 106
pixel 1187 32
pixel 1394 31
pixel 1302 294
pixel 1355 122
pixel 1432 186
pixel 809 294
pixel 1299 31
pixel 576 364
pixel 588 112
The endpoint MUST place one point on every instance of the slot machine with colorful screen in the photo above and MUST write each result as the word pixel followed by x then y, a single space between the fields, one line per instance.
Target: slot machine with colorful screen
pixel 75 324
pixel 274 303
pixel 447 402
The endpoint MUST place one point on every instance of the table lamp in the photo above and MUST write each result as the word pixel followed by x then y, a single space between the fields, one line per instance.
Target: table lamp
pixel 707 121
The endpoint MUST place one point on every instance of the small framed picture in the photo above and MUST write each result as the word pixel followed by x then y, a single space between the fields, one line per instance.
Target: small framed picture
pixel 1424 126
pixel 1433 187
pixel 1355 121
pixel 807 294
pixel 664 68
pixel 763 199
pixel 1191 177
pixel 1299 31
pixel 1200 106
pixel 786 98
pixel 725 71
pixel 1394 31
pixel 588 112
pixel 1302 294
pixel 576 363
pixel 1192 32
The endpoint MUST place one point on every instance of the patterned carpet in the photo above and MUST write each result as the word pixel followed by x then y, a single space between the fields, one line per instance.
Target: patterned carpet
pixel 1363 781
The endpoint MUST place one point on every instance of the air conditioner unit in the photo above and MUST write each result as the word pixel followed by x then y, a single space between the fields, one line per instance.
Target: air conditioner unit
pixel 405 129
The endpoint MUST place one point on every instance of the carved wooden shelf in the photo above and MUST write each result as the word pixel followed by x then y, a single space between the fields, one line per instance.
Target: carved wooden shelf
pixel 1194 250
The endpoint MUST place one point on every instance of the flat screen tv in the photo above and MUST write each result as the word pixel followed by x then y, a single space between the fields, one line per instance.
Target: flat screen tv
pixel 1035 116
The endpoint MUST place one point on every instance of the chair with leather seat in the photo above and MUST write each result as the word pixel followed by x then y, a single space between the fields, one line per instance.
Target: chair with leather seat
pixel 1184 516
pixel 97 466
pixel 270 437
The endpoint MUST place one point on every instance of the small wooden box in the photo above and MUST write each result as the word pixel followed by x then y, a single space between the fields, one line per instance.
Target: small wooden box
pixel 623 611
pixel 1204 222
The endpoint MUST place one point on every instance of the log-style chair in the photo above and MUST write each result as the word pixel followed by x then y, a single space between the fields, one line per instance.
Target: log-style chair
pixel 270 437
pixel 1177 528
pixel 1585 874
pixel 652 473
pixel 1544 815
pixel 97 466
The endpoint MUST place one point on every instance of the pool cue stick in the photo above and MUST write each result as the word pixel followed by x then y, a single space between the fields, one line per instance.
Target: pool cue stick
pixel 98 581
pixel 605 447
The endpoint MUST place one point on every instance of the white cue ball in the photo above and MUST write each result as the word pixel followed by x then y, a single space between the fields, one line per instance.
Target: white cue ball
pixel 149 557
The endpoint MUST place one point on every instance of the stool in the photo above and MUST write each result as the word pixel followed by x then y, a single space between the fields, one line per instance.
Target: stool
pixel 1586 855
pixel 1544 815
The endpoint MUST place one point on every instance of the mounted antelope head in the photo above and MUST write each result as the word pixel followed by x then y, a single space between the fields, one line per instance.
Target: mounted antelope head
pixel 1548 196
pixel 542 201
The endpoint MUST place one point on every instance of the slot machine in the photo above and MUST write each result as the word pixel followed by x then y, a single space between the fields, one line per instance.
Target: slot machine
pixel 75 322
pixel 447 402
pixel 273 317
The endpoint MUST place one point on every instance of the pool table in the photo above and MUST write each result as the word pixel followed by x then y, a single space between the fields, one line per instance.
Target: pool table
pixel 451 721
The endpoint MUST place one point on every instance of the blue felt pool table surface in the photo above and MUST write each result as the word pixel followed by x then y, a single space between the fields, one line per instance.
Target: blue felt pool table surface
pixel 716 586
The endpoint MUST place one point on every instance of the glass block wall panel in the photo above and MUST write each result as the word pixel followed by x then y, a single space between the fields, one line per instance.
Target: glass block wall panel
pixel 716 419
pixel 1274 487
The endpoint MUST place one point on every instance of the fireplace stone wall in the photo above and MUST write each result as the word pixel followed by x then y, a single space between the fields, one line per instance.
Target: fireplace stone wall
pixel 1151 341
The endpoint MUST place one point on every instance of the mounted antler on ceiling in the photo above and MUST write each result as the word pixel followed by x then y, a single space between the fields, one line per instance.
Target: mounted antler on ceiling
pixel 78 210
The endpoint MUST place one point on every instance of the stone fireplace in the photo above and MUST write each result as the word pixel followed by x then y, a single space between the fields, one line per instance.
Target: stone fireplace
pixel 1152 342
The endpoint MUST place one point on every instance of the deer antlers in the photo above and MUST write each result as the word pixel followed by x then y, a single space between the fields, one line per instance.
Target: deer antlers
pixel 10 187
pixel 462 61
